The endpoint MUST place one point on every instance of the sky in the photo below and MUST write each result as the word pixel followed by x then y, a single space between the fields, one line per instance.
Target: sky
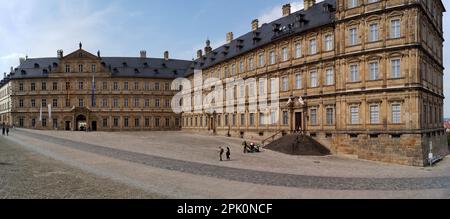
pixel 38 28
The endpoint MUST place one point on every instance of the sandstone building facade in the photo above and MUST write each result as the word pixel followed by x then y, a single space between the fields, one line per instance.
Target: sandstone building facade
pixel 363 77
pixel 85 91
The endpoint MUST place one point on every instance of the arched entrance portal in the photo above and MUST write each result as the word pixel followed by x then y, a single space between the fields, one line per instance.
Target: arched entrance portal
pixel 81 123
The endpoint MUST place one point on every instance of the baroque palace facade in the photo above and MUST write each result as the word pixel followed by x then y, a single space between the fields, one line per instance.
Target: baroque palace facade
pixel 362 77
pixel 85 91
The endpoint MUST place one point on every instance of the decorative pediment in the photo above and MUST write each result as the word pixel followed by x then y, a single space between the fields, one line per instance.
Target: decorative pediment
pixel 81 54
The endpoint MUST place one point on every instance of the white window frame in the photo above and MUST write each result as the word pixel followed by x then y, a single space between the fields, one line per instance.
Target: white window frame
pixel 298 81
pixel 373 32
pixel 314 80
pixel 285 54
pixel 329 117
pixel 312 46
pixel 285 83
pixel 374 71
pixel 354 73
pixel 396 68
pixel 250 64
pixel 374 113
pixel 272 58
pixel 396 114
pixel 261 62
pixel 395 28
pixel 353 36
pixel 329 76
pixel 313 116
pixel 352 3
pixel 328 42
pixel 298 50
pixel 354 115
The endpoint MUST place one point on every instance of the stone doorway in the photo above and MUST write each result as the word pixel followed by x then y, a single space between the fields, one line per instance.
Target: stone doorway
pixel 94 126
pixel 81 123
pixel 298 122
pixel 67 125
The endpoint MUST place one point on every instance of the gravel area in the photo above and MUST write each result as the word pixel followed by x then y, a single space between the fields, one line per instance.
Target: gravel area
pixel 252 176
pixel 28 175
pixel 204 149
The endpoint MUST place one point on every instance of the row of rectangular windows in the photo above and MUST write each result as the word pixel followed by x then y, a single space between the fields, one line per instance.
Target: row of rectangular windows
pixel 354 76
pixel 104 103
pixel 374 114
pixel 105 122
pixel 328 42
pixel 81 68
pixel 114 85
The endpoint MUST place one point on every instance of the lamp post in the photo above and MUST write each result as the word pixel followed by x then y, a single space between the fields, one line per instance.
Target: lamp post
pixel 305 113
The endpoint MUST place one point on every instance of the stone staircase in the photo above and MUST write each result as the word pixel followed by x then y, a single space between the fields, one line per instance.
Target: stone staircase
pixel 297 144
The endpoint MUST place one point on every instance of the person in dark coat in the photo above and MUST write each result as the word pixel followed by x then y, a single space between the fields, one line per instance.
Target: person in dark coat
pixel 3 129
pixel 228 153
pixel 221 151
pixel 7 130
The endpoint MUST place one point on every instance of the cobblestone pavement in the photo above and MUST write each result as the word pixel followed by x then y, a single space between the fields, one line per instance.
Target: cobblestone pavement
pixel 253 176
pixel 25 174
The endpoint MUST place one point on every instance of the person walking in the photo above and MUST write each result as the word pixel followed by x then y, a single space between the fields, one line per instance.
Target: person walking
pixel 7 130
pixel 221 151
pixel 3 129
pixel 245 146
pixel 228 154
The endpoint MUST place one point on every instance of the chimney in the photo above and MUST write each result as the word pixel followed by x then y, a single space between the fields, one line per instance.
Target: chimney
pixel 255 24
pixel 12 69
pixel 143 54
pixel 230 37
pixel 286 10
pixel 60 53
pixel 208 48
pixel 21 60
pixel 4 75
pixel 166 55
pixel 199 53
pixel 309 4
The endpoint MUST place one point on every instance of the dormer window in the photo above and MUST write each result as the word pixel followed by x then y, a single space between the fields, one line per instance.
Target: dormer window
pixel 55 65
pixel 124 64
pixel 146 65
pixel 45 71
pixel 23 72
pixel 36 65
pixel 136 71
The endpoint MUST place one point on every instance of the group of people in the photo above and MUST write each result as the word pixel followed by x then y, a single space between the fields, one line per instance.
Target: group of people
pixel 5 129
pixel 250 148
pixel 222 151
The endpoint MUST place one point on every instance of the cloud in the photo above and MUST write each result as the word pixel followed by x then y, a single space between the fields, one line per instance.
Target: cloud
pixel 274 13
pixel 7 59
pixel 27 29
